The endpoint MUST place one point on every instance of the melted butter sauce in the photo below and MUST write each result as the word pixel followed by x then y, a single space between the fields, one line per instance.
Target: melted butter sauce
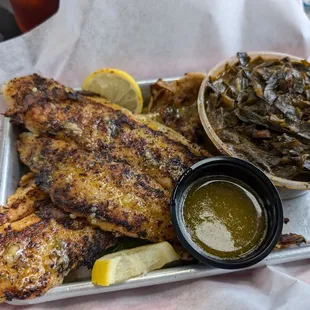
pixel 224 218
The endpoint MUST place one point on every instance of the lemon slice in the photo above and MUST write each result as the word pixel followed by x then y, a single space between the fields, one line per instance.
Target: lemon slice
pixel 117 86
pixel 123 265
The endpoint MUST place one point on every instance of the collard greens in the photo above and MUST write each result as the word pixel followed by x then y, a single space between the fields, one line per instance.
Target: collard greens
pixel 261 110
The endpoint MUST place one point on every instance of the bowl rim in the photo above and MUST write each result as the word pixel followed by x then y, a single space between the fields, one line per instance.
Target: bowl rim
pixel 180 229
pixel 218 143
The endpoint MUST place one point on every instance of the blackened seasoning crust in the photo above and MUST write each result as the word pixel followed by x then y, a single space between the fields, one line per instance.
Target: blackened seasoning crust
pixel 111 195
pixel 97 126
pixel 39 250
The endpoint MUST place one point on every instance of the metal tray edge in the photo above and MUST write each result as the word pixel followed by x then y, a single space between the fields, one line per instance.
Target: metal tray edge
pixel 162 276
pixel 5 143
pixel 169 275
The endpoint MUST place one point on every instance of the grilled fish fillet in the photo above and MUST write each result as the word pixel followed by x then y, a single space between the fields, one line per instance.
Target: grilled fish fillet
pixel 175 105
pixel 110 194
pixel 47 107
pixel 21 203
pixel 38 251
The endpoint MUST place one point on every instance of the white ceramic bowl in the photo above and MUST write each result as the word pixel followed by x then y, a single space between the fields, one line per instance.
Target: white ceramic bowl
pixel 297 187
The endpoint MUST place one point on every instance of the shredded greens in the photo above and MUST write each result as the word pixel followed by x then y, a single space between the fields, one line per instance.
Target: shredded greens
pixel 261 109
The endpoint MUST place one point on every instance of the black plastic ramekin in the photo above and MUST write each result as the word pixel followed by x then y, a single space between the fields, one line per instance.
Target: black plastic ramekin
pixel 257 181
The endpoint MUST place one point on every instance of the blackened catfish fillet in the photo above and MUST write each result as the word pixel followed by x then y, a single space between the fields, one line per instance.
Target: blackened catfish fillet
pixel 38 251
pixel 110 194
pixel 21 203
pixel 175 104
pixel 46 107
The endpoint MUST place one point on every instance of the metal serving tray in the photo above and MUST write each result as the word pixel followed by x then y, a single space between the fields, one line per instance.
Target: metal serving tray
pixel 296 209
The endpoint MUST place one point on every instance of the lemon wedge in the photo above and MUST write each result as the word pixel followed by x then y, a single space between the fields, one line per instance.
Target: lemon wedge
pixel 123 265
pixel 117 86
